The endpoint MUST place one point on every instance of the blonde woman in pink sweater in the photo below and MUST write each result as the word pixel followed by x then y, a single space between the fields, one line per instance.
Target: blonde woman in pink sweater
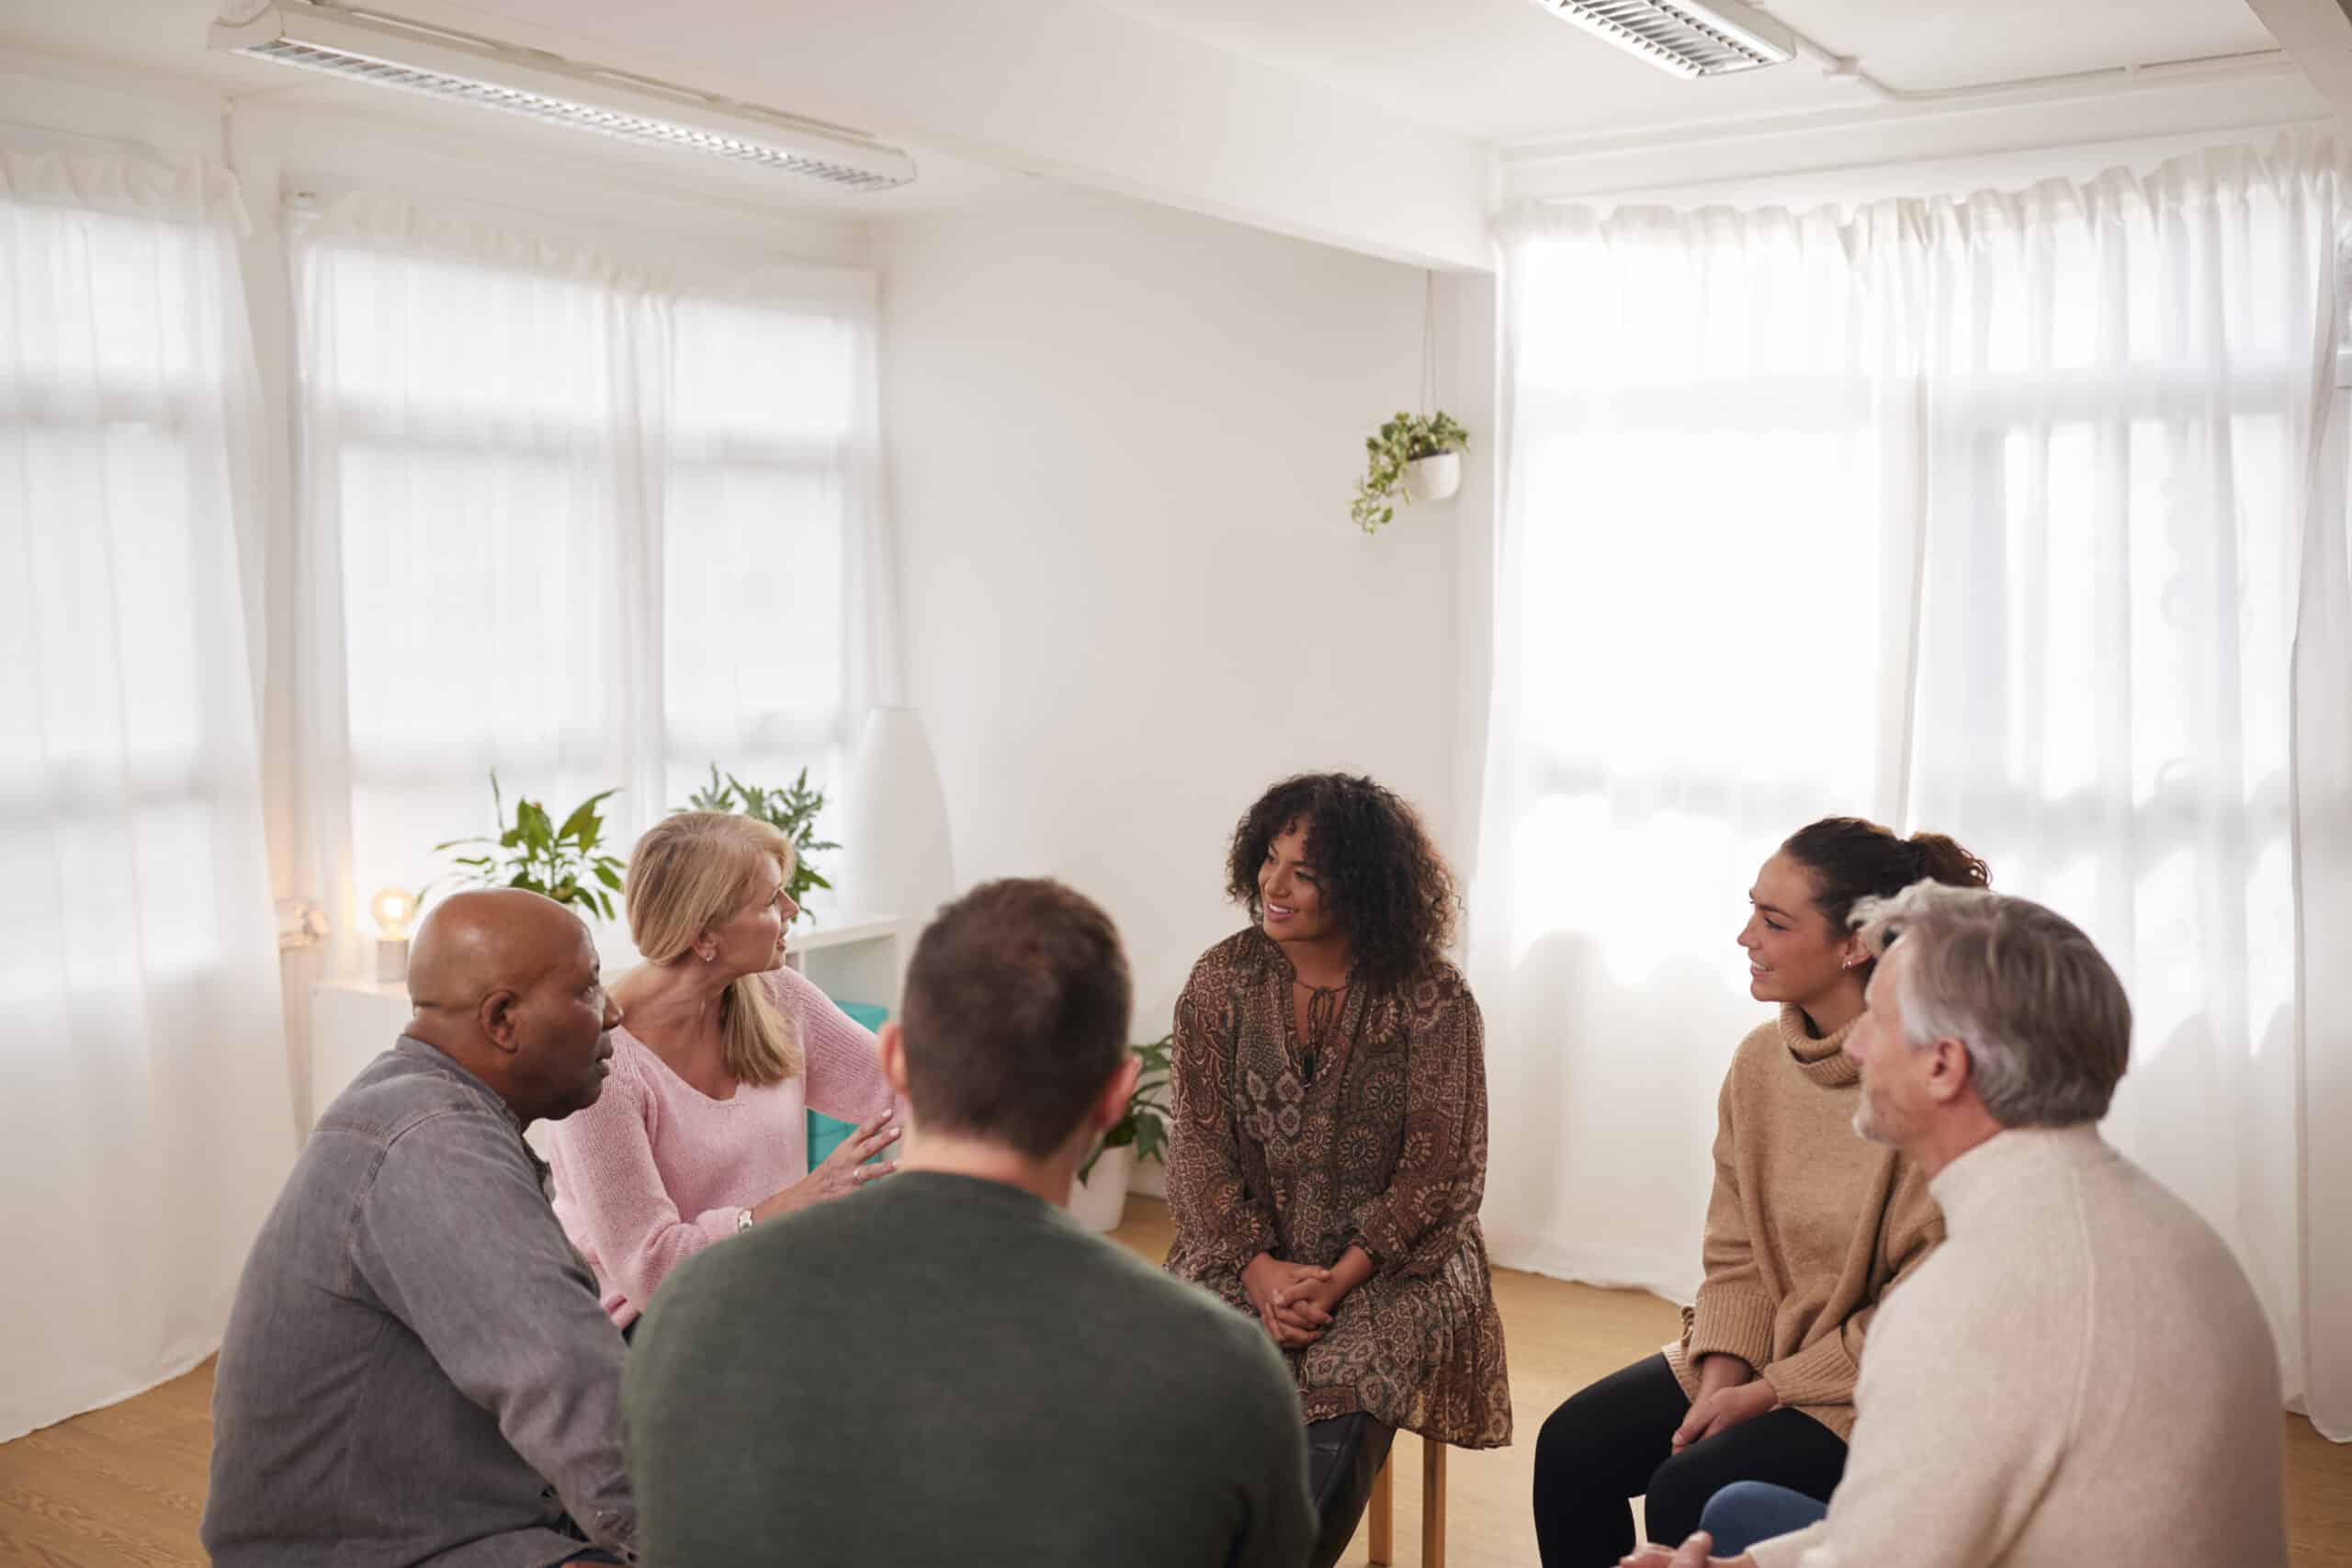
pixel 702 1131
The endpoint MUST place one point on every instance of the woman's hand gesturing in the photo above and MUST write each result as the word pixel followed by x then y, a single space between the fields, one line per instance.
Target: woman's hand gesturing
pixel 843 1171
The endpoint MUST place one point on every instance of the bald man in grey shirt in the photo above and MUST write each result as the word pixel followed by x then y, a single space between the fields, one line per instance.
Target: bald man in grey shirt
pixel 417 1369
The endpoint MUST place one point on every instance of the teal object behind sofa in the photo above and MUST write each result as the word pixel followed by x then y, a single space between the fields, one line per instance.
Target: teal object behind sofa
pixel 826 1132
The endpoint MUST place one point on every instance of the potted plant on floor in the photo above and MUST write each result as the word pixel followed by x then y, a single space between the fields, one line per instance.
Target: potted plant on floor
pixel 1100 1197
pixel 1414 457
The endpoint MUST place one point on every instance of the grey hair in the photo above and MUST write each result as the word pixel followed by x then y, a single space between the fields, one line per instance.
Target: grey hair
pixel 2045 1021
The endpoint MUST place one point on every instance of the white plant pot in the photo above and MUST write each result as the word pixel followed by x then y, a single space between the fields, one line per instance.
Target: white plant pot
pixel 1100 1200
pixel 1435 478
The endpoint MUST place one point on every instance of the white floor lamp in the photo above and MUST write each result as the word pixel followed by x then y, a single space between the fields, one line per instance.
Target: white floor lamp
pixel 898 859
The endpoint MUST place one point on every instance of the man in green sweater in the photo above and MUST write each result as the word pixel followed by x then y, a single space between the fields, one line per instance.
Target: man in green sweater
pixel 944 1367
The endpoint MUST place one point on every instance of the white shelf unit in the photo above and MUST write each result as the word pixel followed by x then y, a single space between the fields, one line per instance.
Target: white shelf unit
pixel 857 960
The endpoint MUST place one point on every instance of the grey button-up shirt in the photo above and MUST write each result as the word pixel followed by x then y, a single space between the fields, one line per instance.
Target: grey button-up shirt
pixel 417 1369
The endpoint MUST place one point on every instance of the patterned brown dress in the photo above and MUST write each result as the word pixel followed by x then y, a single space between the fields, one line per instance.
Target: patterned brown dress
pixel 1383 1145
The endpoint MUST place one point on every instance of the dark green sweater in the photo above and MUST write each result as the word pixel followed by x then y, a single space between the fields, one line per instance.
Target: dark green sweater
pixel 941 1369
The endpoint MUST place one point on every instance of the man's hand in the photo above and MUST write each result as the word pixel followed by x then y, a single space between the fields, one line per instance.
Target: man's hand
pixel 1724 1409
pixel 1266 1278
pixel 1693 1554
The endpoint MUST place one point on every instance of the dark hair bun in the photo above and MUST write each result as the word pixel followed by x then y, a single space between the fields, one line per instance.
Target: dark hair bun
pixel 1941 858
pixel 1851 859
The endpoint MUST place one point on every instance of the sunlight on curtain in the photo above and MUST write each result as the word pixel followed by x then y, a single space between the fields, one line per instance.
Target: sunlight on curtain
pixel 761 664
pixel 1691 604
pixel 2036 584
pixel 145 1127
pixel 2116 474
pixel 588 527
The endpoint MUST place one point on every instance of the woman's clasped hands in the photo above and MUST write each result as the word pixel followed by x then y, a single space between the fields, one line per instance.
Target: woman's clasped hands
pixel 1290 1299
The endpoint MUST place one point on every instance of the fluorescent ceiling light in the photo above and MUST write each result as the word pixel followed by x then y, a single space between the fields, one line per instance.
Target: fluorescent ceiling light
pixel 367 45
pixel 1689 37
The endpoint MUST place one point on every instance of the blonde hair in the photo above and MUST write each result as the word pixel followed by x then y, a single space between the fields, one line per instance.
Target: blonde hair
pixel 690 873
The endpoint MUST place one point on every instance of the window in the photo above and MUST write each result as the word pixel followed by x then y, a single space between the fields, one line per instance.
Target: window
pixel 589 529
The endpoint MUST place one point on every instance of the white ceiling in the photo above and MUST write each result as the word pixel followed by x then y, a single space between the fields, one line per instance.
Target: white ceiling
pixel 167 37
pixel 1505 71
pixel 1357 123
pixel 1493 70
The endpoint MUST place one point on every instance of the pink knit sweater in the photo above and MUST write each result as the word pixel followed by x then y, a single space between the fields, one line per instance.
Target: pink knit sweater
pixel 656 1170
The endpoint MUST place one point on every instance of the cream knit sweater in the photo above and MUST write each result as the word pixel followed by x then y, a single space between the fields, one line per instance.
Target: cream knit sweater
pixel 1807 1226
pixel 2080 1374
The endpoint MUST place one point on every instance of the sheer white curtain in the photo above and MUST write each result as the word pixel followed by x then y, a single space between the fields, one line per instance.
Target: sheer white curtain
pixel 589 524
pixel 2020 519
pixel 1692 556
pixel 144 1128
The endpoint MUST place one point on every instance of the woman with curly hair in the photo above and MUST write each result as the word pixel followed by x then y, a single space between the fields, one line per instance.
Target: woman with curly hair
pixel 1329 1147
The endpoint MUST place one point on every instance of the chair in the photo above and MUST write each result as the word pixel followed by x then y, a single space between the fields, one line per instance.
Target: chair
pixel 1382 1507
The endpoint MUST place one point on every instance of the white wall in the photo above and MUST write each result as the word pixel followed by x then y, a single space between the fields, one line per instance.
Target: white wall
pixel 1123 440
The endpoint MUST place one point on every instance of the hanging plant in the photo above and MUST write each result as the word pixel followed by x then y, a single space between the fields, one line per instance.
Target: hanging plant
pixel 1414 457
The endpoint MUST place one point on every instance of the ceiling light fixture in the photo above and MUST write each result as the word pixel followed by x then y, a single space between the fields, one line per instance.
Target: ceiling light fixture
pixel 367 45
pixel 1689 37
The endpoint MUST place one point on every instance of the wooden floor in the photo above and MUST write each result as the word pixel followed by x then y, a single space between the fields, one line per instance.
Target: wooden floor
pixel 126 1484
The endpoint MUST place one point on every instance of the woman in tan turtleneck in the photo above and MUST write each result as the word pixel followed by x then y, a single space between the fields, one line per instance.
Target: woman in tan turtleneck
pixel 1807 1228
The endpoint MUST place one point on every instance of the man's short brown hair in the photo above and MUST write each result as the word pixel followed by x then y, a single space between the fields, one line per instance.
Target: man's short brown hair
pixel 1016 1013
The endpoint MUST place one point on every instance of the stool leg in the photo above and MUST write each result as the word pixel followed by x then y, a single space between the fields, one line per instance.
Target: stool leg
pixel 1432 1503
pixel 1384 1497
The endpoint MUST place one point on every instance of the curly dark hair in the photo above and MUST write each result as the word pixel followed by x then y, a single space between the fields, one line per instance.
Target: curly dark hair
pixel 1382 878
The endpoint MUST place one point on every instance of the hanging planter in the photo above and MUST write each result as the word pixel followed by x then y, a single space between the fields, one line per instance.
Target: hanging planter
pixel 1414 457
pixel 1435 478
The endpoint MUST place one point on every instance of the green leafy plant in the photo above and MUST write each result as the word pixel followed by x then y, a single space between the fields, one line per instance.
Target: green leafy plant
pixel 532 853
pixel 791 811
pixel 1405 439
pixel 1145 1126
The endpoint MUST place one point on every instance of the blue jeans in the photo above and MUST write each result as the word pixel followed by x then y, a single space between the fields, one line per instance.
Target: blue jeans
pixel 1748 1511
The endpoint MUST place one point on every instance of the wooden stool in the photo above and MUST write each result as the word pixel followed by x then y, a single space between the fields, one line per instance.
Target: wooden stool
pixel 1382 1509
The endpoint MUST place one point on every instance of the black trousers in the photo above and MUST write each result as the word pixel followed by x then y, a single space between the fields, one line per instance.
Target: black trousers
pixel 1614 1441
pixel 1343 1459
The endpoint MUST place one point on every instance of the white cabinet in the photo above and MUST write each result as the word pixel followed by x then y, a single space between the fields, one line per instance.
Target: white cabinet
pixel 351 1023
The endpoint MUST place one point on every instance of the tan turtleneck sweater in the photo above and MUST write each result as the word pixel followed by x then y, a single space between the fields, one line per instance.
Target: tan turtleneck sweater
pixel 2081 1374
pixel 1807 1227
